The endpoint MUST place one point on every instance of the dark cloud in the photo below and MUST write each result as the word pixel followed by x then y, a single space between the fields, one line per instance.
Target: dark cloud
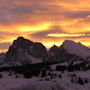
pixel 11 12
pixel 43 34
pixel 4 36
pixel 4 46
pixel 34 11
pixel 79 14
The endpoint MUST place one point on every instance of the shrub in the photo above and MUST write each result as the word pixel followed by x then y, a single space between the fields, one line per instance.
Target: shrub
pixel 80 81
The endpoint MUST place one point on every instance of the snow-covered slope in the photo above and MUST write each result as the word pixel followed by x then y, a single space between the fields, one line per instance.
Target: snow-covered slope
pixel 68 51
pixel 76 48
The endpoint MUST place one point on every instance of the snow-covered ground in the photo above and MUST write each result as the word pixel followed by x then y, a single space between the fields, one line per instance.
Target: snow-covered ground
pixel 11 83
pixel 38 83
pixel 66 81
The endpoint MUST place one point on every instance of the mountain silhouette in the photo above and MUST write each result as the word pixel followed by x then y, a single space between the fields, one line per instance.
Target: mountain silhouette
pixel 24 51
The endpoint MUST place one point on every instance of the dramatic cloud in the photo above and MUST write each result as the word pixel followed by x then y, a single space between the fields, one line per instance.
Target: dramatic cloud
pixel 46 21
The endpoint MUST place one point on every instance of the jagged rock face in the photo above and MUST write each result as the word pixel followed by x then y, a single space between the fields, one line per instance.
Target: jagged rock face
pixel 53 54
pixel 38 50
pixel 2 58
pixel 24 51
pixel 22 43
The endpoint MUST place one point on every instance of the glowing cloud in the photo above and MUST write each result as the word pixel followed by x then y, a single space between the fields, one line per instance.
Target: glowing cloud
pixel 40 27
pixel 64 35
pixel 46 21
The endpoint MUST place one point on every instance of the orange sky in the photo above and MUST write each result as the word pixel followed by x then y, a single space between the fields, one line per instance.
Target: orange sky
pixel 47 21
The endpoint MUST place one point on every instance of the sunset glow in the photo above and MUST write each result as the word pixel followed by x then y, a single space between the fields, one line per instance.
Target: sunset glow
pixel 47 21
pixel 41 27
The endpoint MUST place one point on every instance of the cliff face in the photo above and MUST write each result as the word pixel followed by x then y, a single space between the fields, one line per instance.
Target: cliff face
pixel 24 51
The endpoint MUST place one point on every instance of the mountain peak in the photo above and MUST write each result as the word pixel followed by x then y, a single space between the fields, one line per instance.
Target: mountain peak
pixel 20 38
pixel 69 42
pixel 22 42
pixel 53 48
pixel 76 48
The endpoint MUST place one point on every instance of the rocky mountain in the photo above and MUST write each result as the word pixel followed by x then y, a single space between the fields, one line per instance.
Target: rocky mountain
pixel 52 54
pixel 68 51
pixel 76 48
pixel 54 50
pixel 24 51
